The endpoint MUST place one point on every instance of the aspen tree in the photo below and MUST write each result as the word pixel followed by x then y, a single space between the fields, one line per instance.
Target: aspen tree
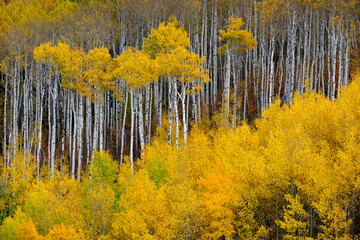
pixel 137 69
pixel 236 40
pixel 168 46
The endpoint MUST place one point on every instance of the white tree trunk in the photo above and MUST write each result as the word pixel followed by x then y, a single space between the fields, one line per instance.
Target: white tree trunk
pixel 141 119
pixel 76 124
pixel 88 130
pixel 170 109
pixel 333 47
pixel 176 112
pixel 184 121
pixel 79 135
pixel 133 104
pixel 226 93
pixel 123 130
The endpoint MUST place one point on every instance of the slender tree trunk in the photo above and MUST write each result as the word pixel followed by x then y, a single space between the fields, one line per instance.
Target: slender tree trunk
pixel 5 122
pixel 290 59
pixel 226 93
pixel 140 119
pixel 214 54
pixel 176 112
pixel 101 124
pixel 133 104
pixel 341 58
pixel 76 124
pixel 347 61
pixel 272 67
pixel 147 113
pixel 170 107
pixel 235 81
pixel 53 131
pixel 247 56
pixel 95 144
pixel 333 41
pixel 39 113
pixel 185 123
pixel 88 130
pixel 123 130
pixel 79 135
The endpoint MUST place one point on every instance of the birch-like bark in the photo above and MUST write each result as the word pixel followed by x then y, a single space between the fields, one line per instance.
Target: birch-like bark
pixel 101 123
pixel 5 121
pixel 333 40
pixel 247 56
pixel 69 127
pixel 15 111
pixel 40 91
pixel 156 103
pixel 307 42
pixel 123 130
pixel 53 130
pixel 117 127
pixel 226 93
pixel 25 123
pixel 161 83
pixel 235 81
pixel 347 61
pixel 147 114
pixel 214 54
pixel 133 104
pixel 193 101
pixel 88 130
pixel 140 119
pixel 63 127
pixel 321 71
pixel 76 124
pixel 290 59
pixel 255 64
pixel 176 112
pixel 341 58
pixel 280 69
pixel 184 121
pixel 150 117
pixel 272 68
pixel 299 80
pixel 95 144
pixel 80 120
pixel 170 109
pixel 204 52
pixel 49 123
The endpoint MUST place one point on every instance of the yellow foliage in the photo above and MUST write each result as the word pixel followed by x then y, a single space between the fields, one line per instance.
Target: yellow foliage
pixel 168 46
pixel 166 38
pixel 61 232
pixel 21 13
pixel 183 64
pixel 27 231
pixel 295 218
pixel 136 68
pixel 90 74
pixel 146 211
pixel 20 176
pixel 55 201
pixel 9 228
pixel 294 174
pixel 218 199
pixel 236 39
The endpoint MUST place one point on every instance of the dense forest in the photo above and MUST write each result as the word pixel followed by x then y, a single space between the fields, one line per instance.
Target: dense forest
pixel 163 119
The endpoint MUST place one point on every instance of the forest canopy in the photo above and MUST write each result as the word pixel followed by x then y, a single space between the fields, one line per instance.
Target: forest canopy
pixel 189 119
